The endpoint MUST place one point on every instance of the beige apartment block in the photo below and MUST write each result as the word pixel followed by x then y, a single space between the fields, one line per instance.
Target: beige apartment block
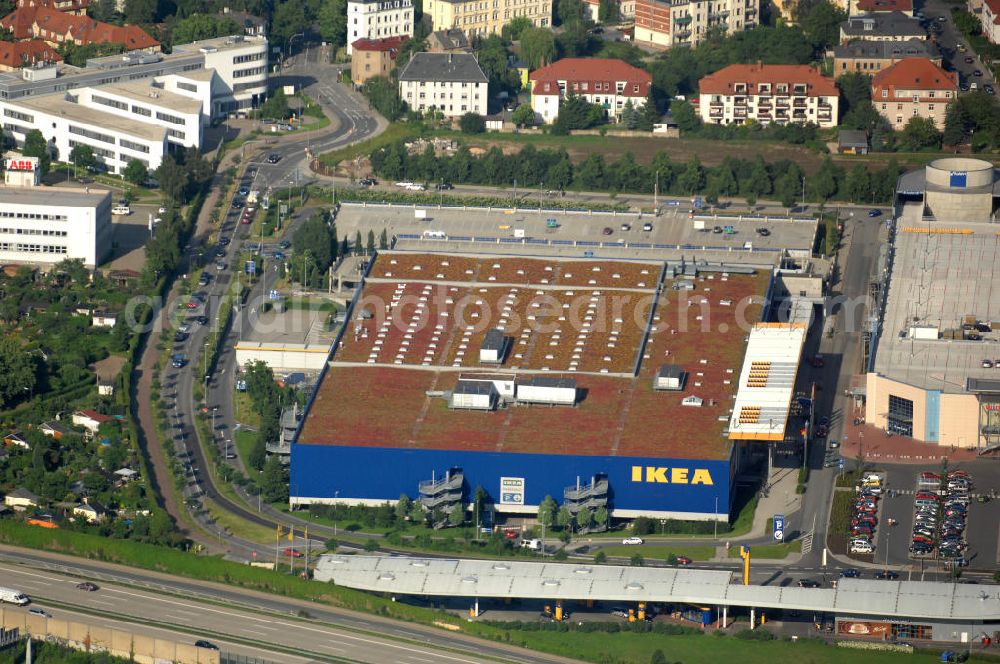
pixel 479 18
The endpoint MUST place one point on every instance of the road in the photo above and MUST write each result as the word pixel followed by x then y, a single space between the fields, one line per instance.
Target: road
pixel 950 39
pixel 350 121
pixel 236 619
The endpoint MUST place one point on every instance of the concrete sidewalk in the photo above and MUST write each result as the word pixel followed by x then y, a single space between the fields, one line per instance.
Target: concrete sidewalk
pixel 777 497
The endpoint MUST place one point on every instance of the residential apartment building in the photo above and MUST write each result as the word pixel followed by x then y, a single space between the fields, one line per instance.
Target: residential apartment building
pixel 887 26
pixel 781 94
pixel 452 83
pixel 868 57
pixel 611 84
pixel 48 225
pixel 480 18
pixel 443 41
pixel 670 24
pixel 990 18
pixel 378 19
pixel 914 87
pixel 374 57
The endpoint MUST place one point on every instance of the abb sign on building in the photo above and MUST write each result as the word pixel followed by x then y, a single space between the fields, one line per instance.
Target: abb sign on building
pixel 21 171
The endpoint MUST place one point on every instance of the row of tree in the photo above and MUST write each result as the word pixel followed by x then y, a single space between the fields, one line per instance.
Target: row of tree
pixel 781 180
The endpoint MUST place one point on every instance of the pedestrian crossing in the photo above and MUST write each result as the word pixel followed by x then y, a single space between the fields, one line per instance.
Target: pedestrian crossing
pixel 807 542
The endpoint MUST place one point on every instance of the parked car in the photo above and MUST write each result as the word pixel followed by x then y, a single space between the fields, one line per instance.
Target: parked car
pixel 874 212
pixel 202 643
pixel 632 540
pixel 445 186
pixel 35 611
pixel 886 574
pixel 809 583
pixel 683 560
pixel 273 158
pixel 292 553
pixel 850 573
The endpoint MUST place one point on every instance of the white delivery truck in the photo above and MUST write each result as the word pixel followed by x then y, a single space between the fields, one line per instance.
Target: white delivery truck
pixel 12 596
pixel 533 544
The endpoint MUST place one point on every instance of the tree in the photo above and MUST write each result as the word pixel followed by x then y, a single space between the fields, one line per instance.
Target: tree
pixel 920 134
pixel 601 516
pixel 274 480
pixel 82 156
pixel 513 30
pixel 584 518
pixel 135 172
pixel 564 518
pixel 649 114
pixel 383 240
pixel 456 517
pixel 538 47
pixel 855 88
pixel 383 95
pixel 140 11
pixel 289 19
pixel 630 116
pixel 17 372
pixel 820 21
pixel 692 180
pixel 332 20
pixel 824 183
pixel 524 116
pixel 760 180
pixel 358 247
pixel 258 454
pixel 403 506
pixel 569 11
pixel 35 145
pixel 276 105
pixel 658 657
pixel 577 113
pixel 956 122
pixel 173 179
pixel 472 123
pixel 637 560
pixel 788 188
pixel 685 115
pixel 858 184
pixel 314 235
pixel 607 11
pixel 600 557
pixel 202 26
pixel 547 511
pixel 370 247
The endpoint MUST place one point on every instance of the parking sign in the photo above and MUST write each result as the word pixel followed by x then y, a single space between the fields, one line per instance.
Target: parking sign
pixel 779 527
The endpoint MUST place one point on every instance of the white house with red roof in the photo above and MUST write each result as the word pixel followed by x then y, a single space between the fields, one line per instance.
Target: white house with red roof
pixel 608 83
pixel 914 87
pixel 781 94
pixel 90 420
pixel 991 20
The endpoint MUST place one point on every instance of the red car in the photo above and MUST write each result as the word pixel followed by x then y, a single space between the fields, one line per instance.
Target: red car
pixel 683 560
pixel 511 534
pixel 927 495
pixel 922 539
pixel 292 553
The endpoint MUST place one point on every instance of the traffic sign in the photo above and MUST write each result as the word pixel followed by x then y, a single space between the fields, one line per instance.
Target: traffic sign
pixel 840 463
pixel 779 527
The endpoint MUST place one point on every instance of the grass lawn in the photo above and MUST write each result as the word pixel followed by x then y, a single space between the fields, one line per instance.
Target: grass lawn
pixel 310 304
pixel 769 551
pixel 244 442
pixel 628 647
pixel 238 526
pixel 660 552
pixel 396 131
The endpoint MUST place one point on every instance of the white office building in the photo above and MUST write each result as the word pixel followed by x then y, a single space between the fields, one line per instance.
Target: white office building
pixel 48 225
pixel 378 19
pixel 181 116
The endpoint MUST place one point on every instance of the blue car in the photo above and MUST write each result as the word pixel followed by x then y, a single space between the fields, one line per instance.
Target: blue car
pixel 278 256
pixel 874 212
pixel 850 573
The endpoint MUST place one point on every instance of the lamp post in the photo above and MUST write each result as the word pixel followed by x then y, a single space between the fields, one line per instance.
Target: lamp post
pixel 656 195
pixel 288 48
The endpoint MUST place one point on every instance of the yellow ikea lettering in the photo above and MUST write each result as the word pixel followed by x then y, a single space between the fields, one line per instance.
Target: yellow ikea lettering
pixel 658 475
pixel 702 476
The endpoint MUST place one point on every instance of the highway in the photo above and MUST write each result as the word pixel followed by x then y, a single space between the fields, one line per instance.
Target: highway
pixel 236 619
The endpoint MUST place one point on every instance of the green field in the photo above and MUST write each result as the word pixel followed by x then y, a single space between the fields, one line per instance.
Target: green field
pixel 660 552
pixel 769 551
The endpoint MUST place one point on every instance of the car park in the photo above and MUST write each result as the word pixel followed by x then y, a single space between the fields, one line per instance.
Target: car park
pixel 632 540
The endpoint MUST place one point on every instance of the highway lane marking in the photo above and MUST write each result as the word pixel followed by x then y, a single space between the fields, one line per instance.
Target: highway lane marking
pixel 327 631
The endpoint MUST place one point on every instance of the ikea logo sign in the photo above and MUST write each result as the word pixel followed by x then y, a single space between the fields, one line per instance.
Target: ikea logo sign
pixel 665 475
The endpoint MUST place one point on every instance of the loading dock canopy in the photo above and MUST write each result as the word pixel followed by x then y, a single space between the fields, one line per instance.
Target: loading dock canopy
pixel 767 381
pixel 529 580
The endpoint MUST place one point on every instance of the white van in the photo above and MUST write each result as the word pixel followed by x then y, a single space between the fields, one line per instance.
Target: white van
pixel 861 547
pixel 121 210
pixel 533 544
pixel 434 235
pixel 12 596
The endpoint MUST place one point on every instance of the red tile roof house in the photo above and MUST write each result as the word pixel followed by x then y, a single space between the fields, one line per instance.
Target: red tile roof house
pixel 991 20
pixel 768 93
pixel 914 87
pixel 56 27
pixel 602 81
pixel 374 57
pixel 14 55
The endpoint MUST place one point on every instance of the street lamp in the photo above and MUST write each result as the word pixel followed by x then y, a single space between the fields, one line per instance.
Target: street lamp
pixel 288 49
